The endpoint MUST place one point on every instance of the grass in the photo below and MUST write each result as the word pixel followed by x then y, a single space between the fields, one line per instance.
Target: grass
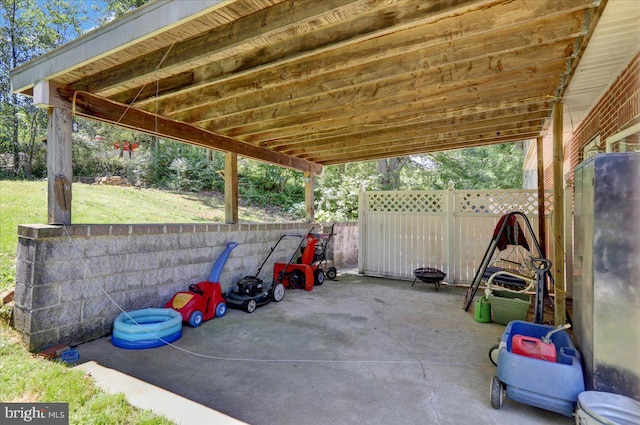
pixel 26 378
pixel 25 202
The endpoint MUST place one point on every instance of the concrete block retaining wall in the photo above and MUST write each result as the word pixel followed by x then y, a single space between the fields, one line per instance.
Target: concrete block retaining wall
pixel 72 281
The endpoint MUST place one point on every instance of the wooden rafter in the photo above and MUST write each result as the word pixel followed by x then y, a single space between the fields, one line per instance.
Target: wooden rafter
pixel 303 83
pixel 90 105
pixel 263 30
pixel 402 53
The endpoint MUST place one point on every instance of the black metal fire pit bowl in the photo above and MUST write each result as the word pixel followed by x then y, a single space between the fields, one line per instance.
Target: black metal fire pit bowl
pixel 429 275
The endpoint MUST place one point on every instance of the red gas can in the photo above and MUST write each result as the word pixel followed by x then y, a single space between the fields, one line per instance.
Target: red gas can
pixel 533 347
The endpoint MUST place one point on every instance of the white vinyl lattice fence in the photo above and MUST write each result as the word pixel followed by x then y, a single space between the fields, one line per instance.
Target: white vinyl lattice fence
pixel 450 230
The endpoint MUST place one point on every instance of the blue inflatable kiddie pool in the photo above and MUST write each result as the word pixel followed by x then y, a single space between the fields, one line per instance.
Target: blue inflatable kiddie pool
pixel 146 328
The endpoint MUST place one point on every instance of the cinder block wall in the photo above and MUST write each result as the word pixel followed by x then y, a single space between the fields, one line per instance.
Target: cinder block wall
pixel 344 245
pixel 72 281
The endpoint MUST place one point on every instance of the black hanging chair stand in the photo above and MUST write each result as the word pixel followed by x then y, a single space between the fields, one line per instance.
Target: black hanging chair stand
pixel 541 265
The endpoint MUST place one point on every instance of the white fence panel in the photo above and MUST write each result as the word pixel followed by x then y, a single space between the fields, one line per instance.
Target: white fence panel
pixel 400 228
pixel 450 230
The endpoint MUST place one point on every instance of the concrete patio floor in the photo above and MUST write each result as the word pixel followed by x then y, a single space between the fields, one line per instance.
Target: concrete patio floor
pixel 354 350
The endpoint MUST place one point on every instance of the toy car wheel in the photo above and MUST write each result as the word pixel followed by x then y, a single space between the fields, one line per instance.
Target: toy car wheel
pixel 221 309
pixel 496 393
pixel 331 273
pixel 493 354
pixel 250 306
pixel 297 279
pixel 278 292
pixel 195 319
pixel 318 277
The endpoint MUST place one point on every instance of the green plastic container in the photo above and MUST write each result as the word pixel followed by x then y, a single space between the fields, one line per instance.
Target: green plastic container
pixel 504 310
pixel 509 294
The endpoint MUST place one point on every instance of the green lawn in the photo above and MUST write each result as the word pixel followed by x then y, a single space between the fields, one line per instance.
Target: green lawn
pixel 25 378
pixel 25 202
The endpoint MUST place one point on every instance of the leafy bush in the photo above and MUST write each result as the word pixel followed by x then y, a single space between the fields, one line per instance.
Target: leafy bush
pixel 267 185
pixel 337 191
pixel 176 166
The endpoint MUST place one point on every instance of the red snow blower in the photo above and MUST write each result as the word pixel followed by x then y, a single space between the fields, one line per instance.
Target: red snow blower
pixel 307 271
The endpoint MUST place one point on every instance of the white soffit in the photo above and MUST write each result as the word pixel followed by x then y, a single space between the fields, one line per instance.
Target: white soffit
pixel 615 41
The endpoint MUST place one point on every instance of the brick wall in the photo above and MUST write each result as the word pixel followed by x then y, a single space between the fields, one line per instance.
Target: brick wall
pixel 616 108
pixel 71 280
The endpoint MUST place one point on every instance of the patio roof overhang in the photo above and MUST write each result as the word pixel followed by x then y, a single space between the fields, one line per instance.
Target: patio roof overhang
pixel 308 83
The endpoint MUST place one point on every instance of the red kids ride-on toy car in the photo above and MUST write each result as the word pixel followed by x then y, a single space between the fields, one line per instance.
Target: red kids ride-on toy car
pixel 204 300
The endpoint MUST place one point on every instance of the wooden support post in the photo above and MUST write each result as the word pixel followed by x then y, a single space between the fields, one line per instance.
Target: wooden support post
pixel 558 216
pixel 309 197
pixel 59 166
pixel 542 234
pixel 231 187
pixel 568 237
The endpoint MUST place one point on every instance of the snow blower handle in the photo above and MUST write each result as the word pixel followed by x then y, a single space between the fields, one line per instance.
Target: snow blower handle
pixel 273 248
pixel 547 338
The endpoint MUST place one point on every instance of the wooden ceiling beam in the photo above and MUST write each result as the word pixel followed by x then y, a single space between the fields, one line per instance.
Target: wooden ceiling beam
pixel 390 79
pixel 263 31
pixel 340 128
pixel 357 122
pixel 407 106
pixel 440 34
pixel 420 148
pixel 430 149
pixel 252 31
pixel 391 135
pixel 155 89
pixel 441 134
pixel 301 83
pixel 456 119
pixel 92 106
pixel 488 73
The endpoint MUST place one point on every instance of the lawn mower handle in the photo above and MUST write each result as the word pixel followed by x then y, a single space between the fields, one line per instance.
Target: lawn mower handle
pixel 285 235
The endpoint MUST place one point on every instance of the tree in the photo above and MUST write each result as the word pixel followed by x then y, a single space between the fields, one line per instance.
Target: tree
pixel 337 190
pixel 389 170
pixel 117 8
pixel 488 167
pixel 28 29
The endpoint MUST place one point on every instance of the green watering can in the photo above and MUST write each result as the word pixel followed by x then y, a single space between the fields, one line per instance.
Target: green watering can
pixel 483 310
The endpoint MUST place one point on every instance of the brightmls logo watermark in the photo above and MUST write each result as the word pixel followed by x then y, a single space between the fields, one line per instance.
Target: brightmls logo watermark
pixel 35 413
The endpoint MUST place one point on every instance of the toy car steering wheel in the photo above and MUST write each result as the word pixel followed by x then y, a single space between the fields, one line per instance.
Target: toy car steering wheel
pixel 196 289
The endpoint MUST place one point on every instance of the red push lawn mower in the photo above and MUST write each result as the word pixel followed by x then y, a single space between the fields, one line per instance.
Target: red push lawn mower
pixel 204 300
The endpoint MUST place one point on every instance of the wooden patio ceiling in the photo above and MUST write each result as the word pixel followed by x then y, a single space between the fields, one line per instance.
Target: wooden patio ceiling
pixel 307 83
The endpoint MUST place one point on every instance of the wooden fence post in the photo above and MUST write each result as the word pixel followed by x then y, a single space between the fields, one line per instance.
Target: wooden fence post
pixel 362 231
pixel 450 229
